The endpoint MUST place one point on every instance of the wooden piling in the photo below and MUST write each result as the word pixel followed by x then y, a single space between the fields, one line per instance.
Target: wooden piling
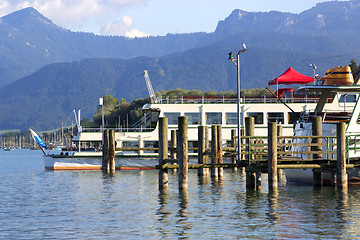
pixel 214 150
pixel 203 143
pixel 318 178
pixel 272 156
pixel 250 180
pixel 249 131
pixel 258 180
pixel 317 131
pixel 341 156
pixel 163 151
pixel 108 158
pixel 219 151
pixel 183 152
pixel 233 144
pixel 173 145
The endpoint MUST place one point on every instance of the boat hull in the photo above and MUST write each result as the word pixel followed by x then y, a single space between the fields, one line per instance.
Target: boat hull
pixel 305 176
pixel 94 164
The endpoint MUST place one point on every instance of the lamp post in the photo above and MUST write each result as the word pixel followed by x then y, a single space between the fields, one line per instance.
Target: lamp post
pixel 314 68
pixel 237 63
pixel 101 103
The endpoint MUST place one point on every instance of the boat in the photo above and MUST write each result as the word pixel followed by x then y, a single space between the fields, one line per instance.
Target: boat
pixel 349 90
pixel 201 111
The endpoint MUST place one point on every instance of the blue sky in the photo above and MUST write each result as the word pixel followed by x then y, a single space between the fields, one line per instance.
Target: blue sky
pixel 147 17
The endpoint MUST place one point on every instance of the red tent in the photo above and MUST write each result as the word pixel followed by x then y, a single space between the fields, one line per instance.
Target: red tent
pixel 291 76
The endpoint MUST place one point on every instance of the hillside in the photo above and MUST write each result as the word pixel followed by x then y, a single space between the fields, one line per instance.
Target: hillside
pixel 30 41
pixel 47 97
pixel 83 67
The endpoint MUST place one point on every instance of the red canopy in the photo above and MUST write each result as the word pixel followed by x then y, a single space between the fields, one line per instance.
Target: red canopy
pixel 291 76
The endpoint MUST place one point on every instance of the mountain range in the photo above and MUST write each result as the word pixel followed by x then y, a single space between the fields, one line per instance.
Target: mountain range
pixel 46 71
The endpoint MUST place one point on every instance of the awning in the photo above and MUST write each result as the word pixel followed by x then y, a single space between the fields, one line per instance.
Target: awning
pixel 290 76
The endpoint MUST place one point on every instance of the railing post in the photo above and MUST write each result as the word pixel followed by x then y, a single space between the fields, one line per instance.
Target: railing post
pixel 341 156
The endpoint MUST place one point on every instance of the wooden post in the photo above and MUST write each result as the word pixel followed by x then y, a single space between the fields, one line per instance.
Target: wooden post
pixel 214 149
pixel 250 180
pixel 280 173
pixel 258 180
pixel 220 150
pixel 203 143
pixel 272 156
pixel 317 131
pixel 173 144
pixel 341 156
pixel 318 178
pixel 183 153
pixel 233 144
pixel 249 131
pixel 173 152
pixel 108 158
pixel 163 152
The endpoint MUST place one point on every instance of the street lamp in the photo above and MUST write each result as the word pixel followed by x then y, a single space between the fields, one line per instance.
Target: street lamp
pixel 237 63
pixel 314 68
pixel 101 103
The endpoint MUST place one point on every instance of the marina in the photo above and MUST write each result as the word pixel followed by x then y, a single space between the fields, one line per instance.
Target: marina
pixel 38 204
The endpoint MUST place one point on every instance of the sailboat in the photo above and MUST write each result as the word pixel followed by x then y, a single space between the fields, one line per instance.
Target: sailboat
pixel 38 140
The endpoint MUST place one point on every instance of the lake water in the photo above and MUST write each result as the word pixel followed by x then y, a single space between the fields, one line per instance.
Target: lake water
pixel 39 204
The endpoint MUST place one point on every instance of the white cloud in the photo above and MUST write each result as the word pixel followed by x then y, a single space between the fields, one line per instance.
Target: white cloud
pixel 123 27
pixel 77 14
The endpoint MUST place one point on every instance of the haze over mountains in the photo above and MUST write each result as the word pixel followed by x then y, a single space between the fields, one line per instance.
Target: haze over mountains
pixel 46 71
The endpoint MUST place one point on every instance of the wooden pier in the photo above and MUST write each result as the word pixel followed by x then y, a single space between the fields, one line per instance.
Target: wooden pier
pixel 259 154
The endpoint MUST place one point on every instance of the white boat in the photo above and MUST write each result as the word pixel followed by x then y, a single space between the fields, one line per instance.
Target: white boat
pixel 201 111
pixel 330 118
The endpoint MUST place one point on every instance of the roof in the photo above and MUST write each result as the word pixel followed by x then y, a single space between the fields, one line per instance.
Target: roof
pixel 331 89
pixel 290 76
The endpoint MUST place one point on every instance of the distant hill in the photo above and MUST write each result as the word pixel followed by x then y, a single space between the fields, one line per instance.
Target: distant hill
pixel 46 98
pixel 30 41
pixel 83 67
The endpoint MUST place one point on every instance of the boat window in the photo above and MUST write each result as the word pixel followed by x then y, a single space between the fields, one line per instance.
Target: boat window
pixel 348 98
pixel 293 117
pixel 277 117
pixel 259 117
pixel 172 117
pixel 231 118
pixel 213 118
pixel 193 118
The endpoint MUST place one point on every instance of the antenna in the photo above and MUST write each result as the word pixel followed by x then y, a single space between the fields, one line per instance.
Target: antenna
pixel 149 87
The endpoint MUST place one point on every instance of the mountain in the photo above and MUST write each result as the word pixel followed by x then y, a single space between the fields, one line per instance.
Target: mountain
pixel 75 69
pixel 325 19
pixel 30 41
pixel 45 99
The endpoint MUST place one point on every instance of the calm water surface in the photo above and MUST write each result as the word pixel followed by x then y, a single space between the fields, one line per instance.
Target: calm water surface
pixel 39 204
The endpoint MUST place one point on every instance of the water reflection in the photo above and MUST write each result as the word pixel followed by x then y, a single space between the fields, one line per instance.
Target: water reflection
pixel 163 213
pixel 183 224
pixel 273 204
